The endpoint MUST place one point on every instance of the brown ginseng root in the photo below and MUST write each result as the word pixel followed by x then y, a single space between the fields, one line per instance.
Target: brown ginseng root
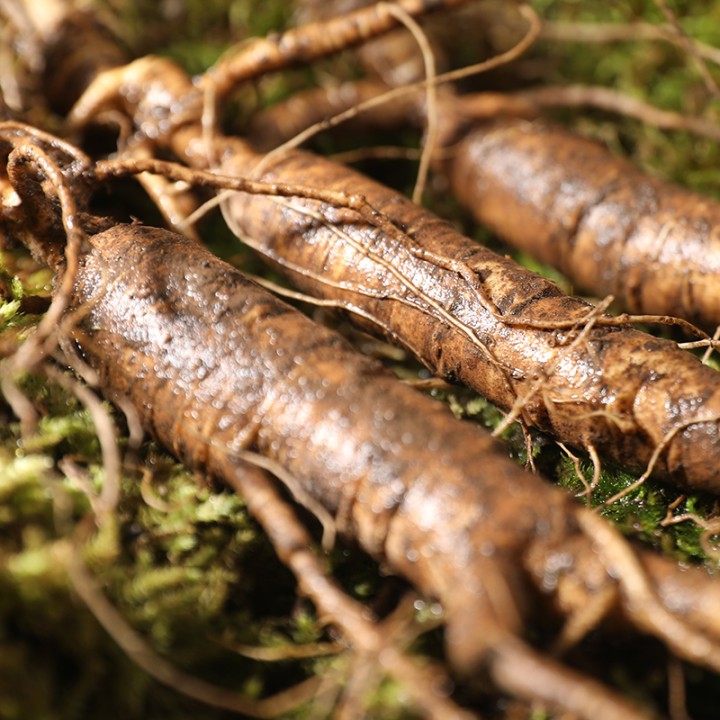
pixel 610 228
pixel 481 319
pixel 468 314
pixel 219 371
pixel 566 200
pixel 550 360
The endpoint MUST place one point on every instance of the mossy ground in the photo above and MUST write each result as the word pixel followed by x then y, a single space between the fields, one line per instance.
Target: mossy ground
pixel 180 558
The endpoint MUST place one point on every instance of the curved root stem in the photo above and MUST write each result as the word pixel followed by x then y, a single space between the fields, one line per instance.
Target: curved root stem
pixel 293 546
pixel 640 600
pixel 518 669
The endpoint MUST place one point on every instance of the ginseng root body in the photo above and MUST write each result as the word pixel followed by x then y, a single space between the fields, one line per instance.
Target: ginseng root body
pixel 467 313
pixel 215 366
pixel 473 316
pixel 610 228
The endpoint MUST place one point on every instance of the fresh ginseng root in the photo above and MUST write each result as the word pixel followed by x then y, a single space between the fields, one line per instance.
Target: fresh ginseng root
pixel 470 315
pixel 610 228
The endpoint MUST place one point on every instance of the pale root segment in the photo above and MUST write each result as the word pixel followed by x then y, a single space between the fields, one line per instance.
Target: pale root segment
pixel 610 228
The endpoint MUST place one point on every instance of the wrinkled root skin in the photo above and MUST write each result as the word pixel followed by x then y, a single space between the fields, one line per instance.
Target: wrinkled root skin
pixel 613 230
pixel 620 391
pixel 215 365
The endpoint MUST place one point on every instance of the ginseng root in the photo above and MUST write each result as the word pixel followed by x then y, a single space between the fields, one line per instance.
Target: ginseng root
pixel 217 369
pixel 468 314
pixel 471 316
pixel 610 228
pixel 566 200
